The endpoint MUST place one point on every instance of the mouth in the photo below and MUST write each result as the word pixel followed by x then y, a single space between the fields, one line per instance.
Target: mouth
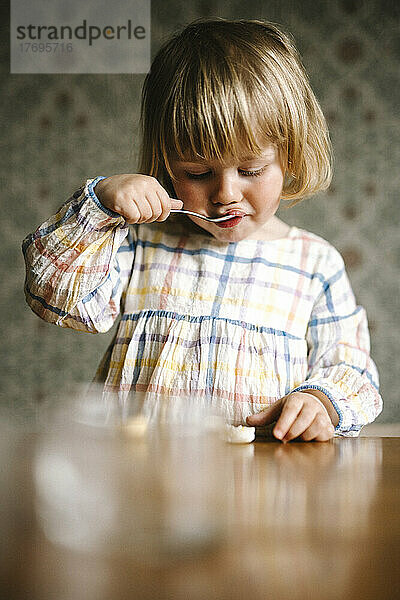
pixel 236 218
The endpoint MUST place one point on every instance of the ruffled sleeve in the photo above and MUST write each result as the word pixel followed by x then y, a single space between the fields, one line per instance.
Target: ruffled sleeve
pixel 339 363
pixel 78 264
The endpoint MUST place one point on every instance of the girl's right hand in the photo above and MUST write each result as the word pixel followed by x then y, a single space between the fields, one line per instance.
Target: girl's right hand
pixel 138 198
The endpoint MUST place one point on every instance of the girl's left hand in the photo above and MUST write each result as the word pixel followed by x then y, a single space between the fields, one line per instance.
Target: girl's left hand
pixel 299 414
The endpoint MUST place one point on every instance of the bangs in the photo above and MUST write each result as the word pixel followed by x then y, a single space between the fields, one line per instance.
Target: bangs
pixel 214 115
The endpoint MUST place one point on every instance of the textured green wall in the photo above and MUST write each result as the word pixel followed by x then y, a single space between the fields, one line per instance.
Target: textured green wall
pixel 58 130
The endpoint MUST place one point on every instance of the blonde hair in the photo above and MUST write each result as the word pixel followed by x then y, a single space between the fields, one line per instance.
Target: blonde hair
pixel 225 89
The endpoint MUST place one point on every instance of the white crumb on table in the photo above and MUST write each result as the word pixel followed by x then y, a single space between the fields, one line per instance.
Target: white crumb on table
pixel 239 434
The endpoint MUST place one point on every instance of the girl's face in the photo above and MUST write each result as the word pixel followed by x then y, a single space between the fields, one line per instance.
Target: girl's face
pixel 249 190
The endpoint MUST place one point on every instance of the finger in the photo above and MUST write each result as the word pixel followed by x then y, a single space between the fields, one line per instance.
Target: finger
pixel 291 408
pixel 300 424
pixel 319 430
pixel 134 208
pixel 145 209
pixel 168 205
pixel 269 415
pixel 326 435
pixel 156 206
pixel 165 204
pixel 175 203
pixel 129 210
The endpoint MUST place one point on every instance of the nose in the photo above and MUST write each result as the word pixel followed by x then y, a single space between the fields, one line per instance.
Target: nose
pixel 225 190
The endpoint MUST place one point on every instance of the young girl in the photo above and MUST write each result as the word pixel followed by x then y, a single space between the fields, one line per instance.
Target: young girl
pixel 250 313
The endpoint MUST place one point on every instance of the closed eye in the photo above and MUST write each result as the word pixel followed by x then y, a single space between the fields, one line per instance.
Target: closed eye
pixel 255 173
pixel 197 175
pixel 245 173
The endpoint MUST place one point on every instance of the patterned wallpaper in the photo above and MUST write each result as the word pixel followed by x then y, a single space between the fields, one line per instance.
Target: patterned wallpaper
pixel 58 130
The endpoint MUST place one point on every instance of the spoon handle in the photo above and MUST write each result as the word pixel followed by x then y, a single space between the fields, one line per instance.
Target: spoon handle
pixel 189 212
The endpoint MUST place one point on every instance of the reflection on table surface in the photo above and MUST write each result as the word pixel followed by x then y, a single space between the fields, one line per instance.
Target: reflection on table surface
pixel 303 521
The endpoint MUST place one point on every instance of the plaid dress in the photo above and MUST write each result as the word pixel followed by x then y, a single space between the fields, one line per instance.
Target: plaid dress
pixel 241 323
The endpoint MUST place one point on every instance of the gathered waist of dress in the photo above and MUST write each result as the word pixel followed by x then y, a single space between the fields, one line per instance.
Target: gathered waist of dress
pixel 175 316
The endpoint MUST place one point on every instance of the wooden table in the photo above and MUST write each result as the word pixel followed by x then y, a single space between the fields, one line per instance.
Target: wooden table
pixel 306 520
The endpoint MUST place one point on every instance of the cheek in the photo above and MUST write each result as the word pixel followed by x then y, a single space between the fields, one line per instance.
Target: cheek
pixel 273 188
pixel 189 194
pixel 183 190
pixel 268 196
pixel 177 188
pixel 276 180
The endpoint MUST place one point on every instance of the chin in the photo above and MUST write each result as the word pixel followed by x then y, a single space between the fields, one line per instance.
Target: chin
pixel 231 235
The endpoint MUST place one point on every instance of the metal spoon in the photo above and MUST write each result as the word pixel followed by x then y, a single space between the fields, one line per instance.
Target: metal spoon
pixel 189 212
